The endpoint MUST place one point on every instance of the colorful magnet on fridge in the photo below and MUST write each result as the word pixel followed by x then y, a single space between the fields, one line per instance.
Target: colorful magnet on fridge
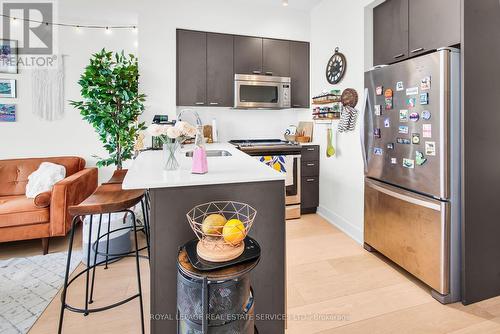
pixel 388 93
pixel 415 138
pixel 412 91
pixel 419 158
pixel 376 133
pixel 403 141
pixel 426 115
pixel 425 83
pixel 408 163
pixel 414 116
pixel 394 161
pixel 390 146
pixel 424 98
pixel 400 86
pixel 387 122
pixel 378 110
pixel 403 116
pixel 388 103
pixel 411 102
pixel 427 130
pixel 379 90
pixel 403 129
pixel 378 151
pixel 430 148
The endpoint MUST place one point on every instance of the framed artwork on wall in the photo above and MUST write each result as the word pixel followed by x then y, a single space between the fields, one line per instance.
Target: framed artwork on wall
pixel 7 112
pixel 8 56
pixel 7 88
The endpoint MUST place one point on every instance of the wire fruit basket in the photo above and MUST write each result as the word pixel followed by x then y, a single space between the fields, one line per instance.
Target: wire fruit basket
pixel 221 228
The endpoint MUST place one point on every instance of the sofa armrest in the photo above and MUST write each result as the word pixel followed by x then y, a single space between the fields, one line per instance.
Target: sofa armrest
pixel 42 200
pixel 70 191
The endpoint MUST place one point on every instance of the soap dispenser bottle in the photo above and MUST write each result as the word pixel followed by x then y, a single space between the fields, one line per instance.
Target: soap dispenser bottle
pixel 200 163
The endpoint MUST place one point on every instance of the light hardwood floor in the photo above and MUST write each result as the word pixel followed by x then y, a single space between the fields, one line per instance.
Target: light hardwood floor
pixel 334 286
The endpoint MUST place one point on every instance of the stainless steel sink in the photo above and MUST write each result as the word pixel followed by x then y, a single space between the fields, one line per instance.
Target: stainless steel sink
pixel 212 153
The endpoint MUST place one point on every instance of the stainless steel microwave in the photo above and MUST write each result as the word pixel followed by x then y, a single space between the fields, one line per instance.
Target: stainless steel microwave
pixel 261 92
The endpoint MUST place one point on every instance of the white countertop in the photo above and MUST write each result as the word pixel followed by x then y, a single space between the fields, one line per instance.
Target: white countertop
pixel 147 170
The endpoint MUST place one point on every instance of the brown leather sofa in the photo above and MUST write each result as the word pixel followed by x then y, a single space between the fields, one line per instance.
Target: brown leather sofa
pixel 46 216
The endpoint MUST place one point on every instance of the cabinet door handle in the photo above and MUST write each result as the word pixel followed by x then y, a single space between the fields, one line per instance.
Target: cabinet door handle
pixel 214 103
pixel 200 103
pixel 417 50
pixel 310 180
pixel 310 165
pixel 399 56
pixel 297 105
pixel 269 73
pixel 310 148
pixel 256 72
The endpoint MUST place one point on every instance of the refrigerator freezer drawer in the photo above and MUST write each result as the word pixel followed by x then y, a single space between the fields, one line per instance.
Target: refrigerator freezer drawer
pixel 411 230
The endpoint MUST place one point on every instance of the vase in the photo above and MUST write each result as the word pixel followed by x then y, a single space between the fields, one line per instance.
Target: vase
pixel 170 155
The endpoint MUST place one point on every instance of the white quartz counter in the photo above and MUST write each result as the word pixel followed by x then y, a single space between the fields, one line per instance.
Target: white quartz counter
pixel 147 170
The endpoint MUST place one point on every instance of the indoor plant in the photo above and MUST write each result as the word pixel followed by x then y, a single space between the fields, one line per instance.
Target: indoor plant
pixel 112 103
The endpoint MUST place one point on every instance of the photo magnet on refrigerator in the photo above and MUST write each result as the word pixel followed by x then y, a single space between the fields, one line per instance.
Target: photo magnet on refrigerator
pixel 427 130
pixel 426 115
pixel 408 163
pixel 404 141
pixel 411 102
pixel 388 92
pixel 414 116
pixel 400 86
pixel 403 129
pixel 412 91
pixel 379 90
pixel 387 123
pixel 415 138
pixel 425 84
pixel 424 98
pixel 376 133
pixel 403 116
pixel 394 161
pixel 388 103
pixel 430 148
pixel 378 151
pixel 419 158
pixel 390 146
pixel 378 110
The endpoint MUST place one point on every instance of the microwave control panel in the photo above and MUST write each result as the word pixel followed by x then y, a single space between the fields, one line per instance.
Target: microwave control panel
pixel 286 96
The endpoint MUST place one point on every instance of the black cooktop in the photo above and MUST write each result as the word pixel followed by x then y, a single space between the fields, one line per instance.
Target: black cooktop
pixel 261 142
pixel 266 146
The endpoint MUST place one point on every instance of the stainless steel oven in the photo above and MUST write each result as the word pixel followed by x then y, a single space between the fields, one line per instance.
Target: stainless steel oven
pixel 261 92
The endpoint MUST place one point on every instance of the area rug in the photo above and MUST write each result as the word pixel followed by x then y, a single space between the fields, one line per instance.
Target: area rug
pixel 27 286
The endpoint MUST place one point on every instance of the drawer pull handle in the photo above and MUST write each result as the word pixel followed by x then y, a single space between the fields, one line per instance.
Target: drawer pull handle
pixel 310 149
pixel 256 72
pixel 214 103
pixel 200 103
pixel 297 105
pixel 399 56
pixel 417 50
pixel 311 180
pixel 310 165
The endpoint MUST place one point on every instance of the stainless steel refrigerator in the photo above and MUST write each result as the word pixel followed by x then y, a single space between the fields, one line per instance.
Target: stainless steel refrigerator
pixel 411 149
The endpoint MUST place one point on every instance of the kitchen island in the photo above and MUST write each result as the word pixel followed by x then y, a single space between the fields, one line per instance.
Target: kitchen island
pixel 232 175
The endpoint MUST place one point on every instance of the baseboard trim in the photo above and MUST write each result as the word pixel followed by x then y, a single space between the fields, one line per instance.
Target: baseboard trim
pixel 341 223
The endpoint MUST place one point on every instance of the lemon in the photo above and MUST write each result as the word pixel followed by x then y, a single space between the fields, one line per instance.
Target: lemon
pixel 234 231
pixel 213 224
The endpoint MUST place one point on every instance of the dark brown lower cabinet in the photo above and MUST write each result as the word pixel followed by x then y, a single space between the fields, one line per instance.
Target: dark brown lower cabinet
pixel 310 179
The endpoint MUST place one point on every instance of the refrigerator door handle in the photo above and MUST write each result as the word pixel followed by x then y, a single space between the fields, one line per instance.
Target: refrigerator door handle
pixel 366 104
pixel 404 195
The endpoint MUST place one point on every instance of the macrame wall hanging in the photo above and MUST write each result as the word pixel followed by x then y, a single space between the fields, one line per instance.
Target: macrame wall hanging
pixel 349 114
pixel 48 91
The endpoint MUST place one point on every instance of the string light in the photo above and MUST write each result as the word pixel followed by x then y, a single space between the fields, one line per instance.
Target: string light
pixel 77 26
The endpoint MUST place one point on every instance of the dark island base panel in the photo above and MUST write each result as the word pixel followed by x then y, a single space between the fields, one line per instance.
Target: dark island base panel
pixel 170 230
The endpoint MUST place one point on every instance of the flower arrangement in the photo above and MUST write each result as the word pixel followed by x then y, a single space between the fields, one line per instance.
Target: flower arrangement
pixel 172 138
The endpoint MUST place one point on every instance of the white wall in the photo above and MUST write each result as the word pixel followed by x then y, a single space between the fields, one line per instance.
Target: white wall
pixel 158 23
pixel 30 136
pixel 341 176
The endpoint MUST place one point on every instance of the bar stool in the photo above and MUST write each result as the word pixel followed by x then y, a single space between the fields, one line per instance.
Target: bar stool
pixel 108 198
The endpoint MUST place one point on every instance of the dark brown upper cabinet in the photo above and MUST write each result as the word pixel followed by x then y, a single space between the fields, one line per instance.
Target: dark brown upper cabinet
pixel 276 57
pixel 390 32
pixel 247 55
pixel 220 75
pixel 191 68
pixel 433 24
pixel 299 74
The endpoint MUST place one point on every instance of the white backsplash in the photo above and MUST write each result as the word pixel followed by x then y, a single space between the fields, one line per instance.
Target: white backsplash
pixel 244 124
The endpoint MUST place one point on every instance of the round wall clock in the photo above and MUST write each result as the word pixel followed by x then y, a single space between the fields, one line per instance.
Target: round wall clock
pixel 335 69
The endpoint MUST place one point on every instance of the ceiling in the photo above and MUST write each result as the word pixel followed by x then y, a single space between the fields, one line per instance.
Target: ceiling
pixel 295 4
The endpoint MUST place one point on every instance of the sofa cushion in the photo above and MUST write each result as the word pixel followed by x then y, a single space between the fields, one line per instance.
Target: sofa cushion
pixel 14 173
pixel 19 210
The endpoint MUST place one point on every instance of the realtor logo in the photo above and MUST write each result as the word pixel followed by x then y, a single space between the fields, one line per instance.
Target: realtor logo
pixel 29 24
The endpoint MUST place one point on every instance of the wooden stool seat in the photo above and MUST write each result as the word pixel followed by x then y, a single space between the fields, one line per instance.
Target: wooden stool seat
pixel 118 176
pixel 107 198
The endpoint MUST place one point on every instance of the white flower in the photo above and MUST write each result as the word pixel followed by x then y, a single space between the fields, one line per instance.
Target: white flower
pixel 186 129
pixel 173 132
